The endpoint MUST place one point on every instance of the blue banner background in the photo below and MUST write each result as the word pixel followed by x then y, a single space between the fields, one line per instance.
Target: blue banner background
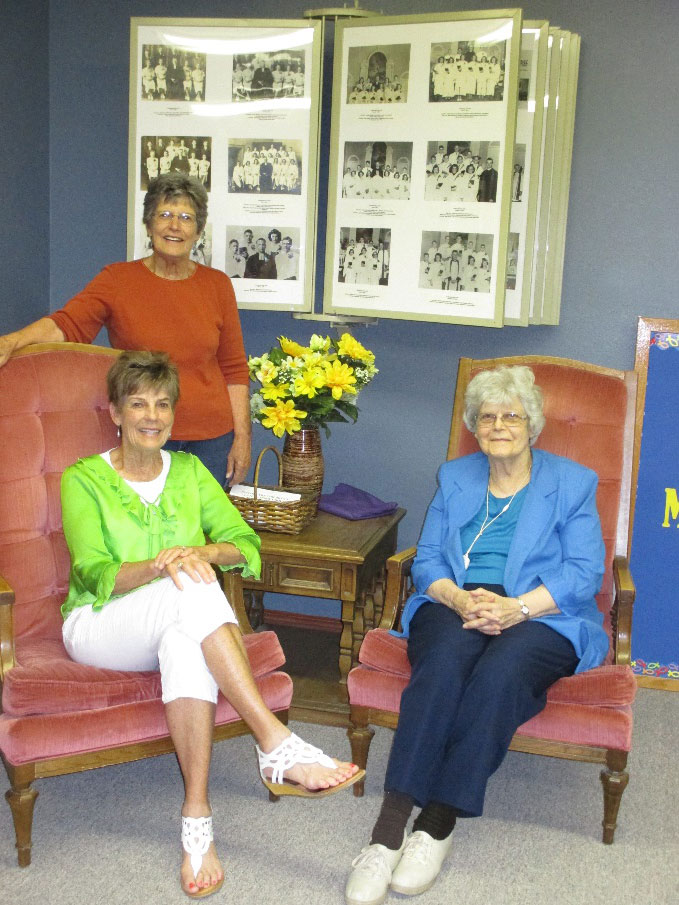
pixel 655 550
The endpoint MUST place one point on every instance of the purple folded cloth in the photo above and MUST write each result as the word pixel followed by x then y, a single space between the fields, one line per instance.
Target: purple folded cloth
pixel 353 503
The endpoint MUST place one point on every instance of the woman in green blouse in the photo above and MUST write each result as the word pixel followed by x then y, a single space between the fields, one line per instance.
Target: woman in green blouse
pixel 143 595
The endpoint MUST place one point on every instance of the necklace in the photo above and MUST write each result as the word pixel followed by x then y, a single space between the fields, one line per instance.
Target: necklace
pixel 486 523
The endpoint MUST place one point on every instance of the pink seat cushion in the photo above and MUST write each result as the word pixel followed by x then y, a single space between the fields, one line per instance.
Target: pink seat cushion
pixel 45 680
pixel 26 739
pixel 599 725
pixel 605 686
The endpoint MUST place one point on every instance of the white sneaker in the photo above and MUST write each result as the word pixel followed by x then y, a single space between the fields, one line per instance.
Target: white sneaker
pixel 369 880
pixel 420 863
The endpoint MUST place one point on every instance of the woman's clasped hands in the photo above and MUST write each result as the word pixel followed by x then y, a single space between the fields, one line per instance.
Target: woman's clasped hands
pixel 173 560
pixel 487 612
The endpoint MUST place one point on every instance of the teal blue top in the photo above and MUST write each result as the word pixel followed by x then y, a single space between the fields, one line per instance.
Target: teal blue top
pixel 557 543
pixel 488 556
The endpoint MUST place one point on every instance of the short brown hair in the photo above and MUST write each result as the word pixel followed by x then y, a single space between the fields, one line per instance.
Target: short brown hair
pixel 134 370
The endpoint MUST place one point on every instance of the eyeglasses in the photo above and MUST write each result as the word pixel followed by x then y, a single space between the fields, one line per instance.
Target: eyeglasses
pixel 168 216
pixel 509 419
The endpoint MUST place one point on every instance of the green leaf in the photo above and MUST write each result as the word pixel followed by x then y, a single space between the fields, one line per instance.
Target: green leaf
pixel 336 416
pixel 348 408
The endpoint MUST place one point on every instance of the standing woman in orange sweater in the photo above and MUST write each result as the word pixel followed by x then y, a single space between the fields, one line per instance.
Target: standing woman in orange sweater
pixel 170 303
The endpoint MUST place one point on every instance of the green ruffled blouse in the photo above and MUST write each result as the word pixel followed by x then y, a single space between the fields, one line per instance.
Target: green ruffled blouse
pixel 106 524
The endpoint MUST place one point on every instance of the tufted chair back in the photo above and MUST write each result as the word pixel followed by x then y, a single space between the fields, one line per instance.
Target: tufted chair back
pixel 53 410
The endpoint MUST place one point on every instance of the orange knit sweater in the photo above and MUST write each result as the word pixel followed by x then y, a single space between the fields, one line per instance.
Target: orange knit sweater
pixel 194 320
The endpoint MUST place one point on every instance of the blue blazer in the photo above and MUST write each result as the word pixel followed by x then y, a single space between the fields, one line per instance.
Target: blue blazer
pixel 557 543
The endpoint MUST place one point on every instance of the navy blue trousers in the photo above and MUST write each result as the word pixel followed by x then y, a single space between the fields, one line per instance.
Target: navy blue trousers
pixel 467 695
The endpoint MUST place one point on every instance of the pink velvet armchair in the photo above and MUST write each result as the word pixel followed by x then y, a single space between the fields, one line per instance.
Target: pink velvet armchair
pixel 590 414
pixel 58 716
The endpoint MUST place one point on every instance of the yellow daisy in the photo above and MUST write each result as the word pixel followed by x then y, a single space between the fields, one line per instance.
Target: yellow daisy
pixel 273 391
pixel 352 348
pixel 282 417
pixel 339 378
pixel 290 347
pixel 309 382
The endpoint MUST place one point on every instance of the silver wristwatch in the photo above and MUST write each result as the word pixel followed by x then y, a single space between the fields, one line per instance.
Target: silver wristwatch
pixel 524 609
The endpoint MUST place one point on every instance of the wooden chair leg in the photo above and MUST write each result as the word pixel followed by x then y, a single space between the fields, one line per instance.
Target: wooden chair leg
pixel 614 780
pixel 360 735
pixel 21 798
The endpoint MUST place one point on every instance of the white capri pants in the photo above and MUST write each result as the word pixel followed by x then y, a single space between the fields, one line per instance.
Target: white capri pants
pixel 155 627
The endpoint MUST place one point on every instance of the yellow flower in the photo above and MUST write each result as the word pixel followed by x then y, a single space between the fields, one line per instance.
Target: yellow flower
pixel 290 347
pixel 273 391
pixel 267 372
pixel 309 382
pixel 282 417
pixel 352 348
pixel 312 359
pixel 339 378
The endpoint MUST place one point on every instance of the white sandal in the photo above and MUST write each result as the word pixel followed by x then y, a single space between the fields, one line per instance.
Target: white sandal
pixel 196 838
pixel 291 751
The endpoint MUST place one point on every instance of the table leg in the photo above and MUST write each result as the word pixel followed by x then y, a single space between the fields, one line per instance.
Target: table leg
pixel 254 605
pixel 347 639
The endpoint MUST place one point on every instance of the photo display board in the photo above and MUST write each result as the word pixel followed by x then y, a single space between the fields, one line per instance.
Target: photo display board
pixel 235 104
pixel 525 171
pixel 422 153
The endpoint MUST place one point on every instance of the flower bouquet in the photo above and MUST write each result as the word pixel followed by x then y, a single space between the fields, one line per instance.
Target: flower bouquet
pixel 310 386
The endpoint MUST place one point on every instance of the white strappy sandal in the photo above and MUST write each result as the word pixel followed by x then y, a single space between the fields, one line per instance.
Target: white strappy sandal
pixel 196 838
pixel 291 751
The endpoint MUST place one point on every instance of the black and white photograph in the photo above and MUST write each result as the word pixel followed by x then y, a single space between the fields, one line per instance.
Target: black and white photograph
pixel 518 169
pixel 461 171
pixel 456 262
pixel 265 166
pixel 378 74
pixel 188 154
pixel 263 76
pixel 377 170
pixel 512 259
pixel 364 256
pixel 262 252
pixel 172 74
pixel 467 71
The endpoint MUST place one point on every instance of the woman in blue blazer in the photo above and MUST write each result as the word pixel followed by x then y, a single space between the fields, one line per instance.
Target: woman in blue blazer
pixel 508 563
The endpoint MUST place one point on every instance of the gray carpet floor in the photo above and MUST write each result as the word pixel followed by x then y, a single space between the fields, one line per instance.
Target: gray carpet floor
pixel 111 835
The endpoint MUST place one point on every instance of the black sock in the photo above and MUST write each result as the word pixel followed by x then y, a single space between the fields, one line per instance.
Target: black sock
pixel 437 819
pixel 392 820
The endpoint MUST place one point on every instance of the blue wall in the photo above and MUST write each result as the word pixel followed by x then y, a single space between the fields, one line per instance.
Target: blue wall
pixel 24 172
pixel 621 257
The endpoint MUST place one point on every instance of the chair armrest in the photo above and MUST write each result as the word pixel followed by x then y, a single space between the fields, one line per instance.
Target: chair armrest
pixel 232 583
pixel 621 613
pixel 6 627
pixel 398 586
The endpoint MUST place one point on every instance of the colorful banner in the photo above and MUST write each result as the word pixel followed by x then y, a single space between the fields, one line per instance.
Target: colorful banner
pixel 655 540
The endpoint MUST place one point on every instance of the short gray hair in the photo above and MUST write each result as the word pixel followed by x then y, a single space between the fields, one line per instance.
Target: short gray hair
pixel 501 385
pixel 172 187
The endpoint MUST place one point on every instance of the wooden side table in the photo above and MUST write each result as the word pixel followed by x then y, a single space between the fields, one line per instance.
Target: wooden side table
pixel 331 558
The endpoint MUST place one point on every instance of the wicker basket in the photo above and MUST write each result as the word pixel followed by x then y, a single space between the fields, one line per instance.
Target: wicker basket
pixel 270 515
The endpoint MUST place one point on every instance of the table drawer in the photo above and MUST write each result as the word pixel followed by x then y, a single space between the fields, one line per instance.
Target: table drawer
pixel 320 579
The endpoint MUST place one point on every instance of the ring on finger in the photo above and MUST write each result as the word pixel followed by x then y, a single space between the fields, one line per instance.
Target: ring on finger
pixel 180 566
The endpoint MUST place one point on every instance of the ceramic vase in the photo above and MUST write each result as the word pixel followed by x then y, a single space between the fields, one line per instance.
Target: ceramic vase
pixel 303 460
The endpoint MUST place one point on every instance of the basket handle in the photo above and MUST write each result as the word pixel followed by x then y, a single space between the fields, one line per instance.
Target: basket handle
pixel 259 462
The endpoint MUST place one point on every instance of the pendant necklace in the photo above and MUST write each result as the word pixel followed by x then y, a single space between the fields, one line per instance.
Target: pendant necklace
pixel 486 523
